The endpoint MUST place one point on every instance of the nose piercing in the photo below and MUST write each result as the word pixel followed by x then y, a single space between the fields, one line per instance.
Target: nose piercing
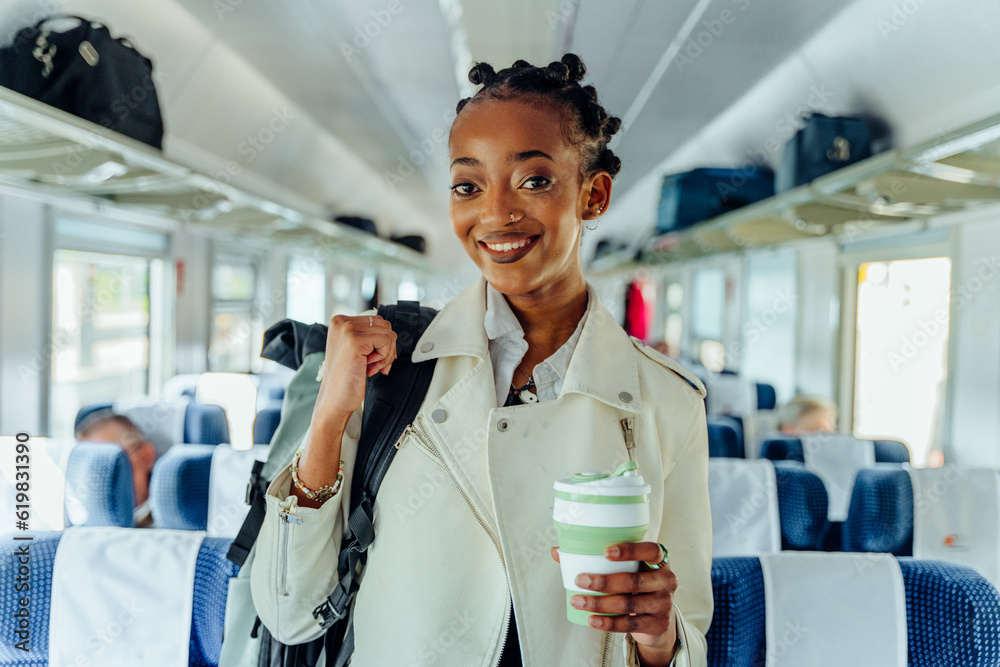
pixel 512 216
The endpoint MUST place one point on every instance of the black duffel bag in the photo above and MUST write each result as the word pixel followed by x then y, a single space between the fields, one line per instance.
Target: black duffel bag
pixel 75 65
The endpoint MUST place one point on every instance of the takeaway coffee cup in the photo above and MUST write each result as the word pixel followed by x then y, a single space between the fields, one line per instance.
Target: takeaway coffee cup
pixel 592 511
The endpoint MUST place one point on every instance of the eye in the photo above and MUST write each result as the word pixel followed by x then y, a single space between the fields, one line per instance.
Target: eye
pixel 462 190
pixel 537 182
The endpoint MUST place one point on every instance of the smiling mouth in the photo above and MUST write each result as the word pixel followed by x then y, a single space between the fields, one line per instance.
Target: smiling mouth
pixel 509 251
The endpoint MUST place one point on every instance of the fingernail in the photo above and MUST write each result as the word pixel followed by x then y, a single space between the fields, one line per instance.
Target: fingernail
pixel 595 621
pixel 576 601
pixel 612 552
pixel 583 580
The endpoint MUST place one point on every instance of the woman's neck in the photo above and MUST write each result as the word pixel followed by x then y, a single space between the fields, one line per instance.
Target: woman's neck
pixel 549 317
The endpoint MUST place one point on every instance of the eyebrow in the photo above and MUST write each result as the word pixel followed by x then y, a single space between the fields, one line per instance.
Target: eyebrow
pixel 516 157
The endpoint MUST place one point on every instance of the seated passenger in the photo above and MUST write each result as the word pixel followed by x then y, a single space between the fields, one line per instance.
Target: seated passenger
pixel 104 426
pixel 807 414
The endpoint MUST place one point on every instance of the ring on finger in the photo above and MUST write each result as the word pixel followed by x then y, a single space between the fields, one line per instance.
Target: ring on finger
pixel 666 557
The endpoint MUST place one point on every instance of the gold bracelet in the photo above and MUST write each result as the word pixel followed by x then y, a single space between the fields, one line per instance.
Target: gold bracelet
pixel 322 494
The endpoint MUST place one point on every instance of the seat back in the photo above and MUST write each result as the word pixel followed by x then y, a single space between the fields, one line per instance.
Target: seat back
pixel 98 486
pixel 744 502
pixel 802 506
pixel 212 574
pixel 87 410
pixel 178 492
pixel 729 395
pixel 227 494
pixel 736 636
pixel 205 424
pixel 790 449
pixel 767 398
pixel 880 518
pixel 722 438
pixel 891 451
pixel 266 423
pixel 952 614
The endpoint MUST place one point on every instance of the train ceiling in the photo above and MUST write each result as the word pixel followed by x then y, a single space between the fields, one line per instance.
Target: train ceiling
pixel 368 86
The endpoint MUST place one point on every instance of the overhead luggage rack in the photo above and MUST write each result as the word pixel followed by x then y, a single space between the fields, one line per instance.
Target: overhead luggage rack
pixel 47 150
pixel 953 172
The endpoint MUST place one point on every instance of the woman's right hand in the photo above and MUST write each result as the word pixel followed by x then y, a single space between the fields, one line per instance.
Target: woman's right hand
pixel 356 349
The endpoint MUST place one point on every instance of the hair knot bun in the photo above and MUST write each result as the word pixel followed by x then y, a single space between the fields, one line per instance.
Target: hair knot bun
pixel 575 68
pixel 557 73
pixel 482 74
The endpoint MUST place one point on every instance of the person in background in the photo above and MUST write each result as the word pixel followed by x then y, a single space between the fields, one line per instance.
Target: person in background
pixel 807 414
pixel 119 429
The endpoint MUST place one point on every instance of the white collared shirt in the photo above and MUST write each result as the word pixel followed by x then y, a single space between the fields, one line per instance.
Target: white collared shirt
pixel 508 347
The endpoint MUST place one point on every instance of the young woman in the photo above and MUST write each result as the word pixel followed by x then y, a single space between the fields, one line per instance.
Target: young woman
pixel 532 381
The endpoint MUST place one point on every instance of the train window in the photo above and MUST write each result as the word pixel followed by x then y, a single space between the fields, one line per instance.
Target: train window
pixel 768 330
pixel 100 331
pixel 708 302
pixel 901 359
pixel 306 290
pixel 236 327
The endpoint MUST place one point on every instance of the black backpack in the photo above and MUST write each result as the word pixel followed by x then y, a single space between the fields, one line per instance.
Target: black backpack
pixel 85 71
pixel 391 403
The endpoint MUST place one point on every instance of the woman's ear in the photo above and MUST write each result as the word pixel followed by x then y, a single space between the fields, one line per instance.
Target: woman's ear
pixel 598 196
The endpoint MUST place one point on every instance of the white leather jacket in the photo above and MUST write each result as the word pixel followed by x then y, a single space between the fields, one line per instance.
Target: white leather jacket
pixel 463 518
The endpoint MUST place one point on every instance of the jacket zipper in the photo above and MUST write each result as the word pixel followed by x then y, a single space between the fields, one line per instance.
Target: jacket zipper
pixel 417 429
pixel 627 425
pixel 283 529
pixel 604 651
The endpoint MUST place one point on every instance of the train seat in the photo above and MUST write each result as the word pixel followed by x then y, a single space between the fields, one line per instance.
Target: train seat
pixel 266 423
pixel 880 518
pixel 790 449
pixel 178 491
pixel 212 572
pixel 802 507
pixel 167 423
pixel 744 499
pixel 98 489
pixel 767 397
pixel 952 616
pixel 203 487
pixel 723 440
pixel 205 424
pixel 227 488
pixel 949 514
pixel 729 395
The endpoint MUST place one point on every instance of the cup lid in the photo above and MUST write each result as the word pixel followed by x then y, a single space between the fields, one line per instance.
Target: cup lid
pixel 624 481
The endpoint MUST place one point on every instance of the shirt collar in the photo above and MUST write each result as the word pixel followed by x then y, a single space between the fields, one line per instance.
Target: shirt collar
pixel 604 364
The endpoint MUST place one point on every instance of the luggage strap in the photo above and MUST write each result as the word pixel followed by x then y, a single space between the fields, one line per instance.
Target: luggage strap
pixel 395 401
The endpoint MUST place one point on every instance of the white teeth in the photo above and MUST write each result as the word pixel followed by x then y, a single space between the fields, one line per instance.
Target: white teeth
pixel 506 247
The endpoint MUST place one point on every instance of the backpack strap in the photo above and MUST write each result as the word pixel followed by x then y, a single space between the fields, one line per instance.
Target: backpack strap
pixel 243 542
pixel 391 403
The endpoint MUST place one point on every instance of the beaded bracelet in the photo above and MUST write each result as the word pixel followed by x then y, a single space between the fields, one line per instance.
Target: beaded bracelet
pixel 322 494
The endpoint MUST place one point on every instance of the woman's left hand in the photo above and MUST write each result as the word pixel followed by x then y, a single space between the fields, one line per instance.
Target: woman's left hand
pixel 644 598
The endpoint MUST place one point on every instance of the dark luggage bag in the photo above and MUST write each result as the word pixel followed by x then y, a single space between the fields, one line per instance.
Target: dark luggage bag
pixel 76 65
pixel 824 145
pixel 701 194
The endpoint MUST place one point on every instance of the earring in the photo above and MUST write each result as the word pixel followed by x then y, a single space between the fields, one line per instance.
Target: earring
pixel 599 209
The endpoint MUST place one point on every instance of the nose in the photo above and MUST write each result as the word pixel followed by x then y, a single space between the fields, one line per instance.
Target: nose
pixel 498 204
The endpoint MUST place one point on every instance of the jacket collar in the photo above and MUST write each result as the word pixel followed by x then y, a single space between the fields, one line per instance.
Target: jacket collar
pixel 604 364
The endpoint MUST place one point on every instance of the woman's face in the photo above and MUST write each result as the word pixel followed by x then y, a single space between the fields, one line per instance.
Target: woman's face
pixel 512 156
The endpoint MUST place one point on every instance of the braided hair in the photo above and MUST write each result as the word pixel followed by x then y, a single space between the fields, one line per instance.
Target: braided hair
pixel 558 82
